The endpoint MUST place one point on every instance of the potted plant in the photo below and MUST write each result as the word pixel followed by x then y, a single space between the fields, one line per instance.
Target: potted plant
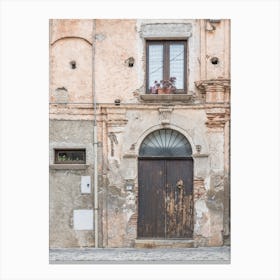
pixel 155 87
pixel 164 86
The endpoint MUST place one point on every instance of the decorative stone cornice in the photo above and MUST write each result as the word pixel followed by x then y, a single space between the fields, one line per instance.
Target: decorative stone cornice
pixel 166 30
pixel 217 118
pixel 214 89
pixel 205 85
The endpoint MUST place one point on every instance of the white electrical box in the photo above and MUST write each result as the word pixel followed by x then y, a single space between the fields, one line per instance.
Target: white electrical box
pixel 83 219
pixel 85 184
pixel 129 187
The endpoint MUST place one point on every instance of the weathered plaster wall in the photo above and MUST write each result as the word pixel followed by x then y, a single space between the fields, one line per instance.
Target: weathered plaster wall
pixel 63 28
pixel 71 41
pixel 65 193
pixel 227 182
pixel 215 42
pixel 204 120
pixel 117 40
pixel 115 43
pixel 77 83
pixel 121 212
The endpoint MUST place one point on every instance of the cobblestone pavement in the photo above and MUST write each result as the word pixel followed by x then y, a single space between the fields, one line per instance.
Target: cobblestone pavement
pixel 141 256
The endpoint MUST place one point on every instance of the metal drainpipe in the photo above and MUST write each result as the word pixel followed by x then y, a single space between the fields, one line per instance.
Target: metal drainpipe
pixel 95 143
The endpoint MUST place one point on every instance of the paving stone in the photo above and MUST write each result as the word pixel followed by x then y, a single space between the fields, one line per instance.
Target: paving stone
pixel 131 255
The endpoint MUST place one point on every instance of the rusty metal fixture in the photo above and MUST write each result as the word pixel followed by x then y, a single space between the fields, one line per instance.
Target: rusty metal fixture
pixel 180 184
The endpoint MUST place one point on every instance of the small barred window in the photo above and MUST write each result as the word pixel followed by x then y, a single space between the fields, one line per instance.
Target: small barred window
pixel 70 156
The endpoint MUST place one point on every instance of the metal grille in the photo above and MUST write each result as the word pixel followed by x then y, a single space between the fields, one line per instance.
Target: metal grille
pixel 165 143
pixel 70 156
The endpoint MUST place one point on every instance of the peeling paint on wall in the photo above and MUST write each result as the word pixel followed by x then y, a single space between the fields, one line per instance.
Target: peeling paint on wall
pixel 203 120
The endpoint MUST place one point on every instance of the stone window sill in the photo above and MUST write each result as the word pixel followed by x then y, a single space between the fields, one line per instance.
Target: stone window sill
pixel 166 97
pixel 69 166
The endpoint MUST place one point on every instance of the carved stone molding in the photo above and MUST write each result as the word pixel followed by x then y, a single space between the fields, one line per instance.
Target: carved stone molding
pixel 71 111
pixel 166 30
pixel 216 119
pixel 167 98
pixel 130 155
pixel 118 122
pixel 215 89
pixel 210 84
pixel 115 117
pixel 200 155
pixel 165 115
pixel 114 141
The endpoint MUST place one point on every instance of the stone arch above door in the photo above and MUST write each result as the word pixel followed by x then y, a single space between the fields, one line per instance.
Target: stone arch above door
pixel 165 142
pixel 152 129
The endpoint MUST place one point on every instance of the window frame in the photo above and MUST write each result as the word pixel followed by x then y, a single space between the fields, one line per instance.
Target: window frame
pixel 166 65
pixel 58 150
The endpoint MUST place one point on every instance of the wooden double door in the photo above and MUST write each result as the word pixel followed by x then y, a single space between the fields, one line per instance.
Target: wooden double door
pixel 165 198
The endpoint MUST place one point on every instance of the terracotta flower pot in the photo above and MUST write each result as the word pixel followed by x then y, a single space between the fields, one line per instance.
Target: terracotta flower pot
pixel 164 90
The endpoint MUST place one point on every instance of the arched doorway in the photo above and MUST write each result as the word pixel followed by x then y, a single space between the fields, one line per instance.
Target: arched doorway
pixel 165 186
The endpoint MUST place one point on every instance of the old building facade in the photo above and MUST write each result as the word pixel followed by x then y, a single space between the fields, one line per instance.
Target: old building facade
pixel 130 167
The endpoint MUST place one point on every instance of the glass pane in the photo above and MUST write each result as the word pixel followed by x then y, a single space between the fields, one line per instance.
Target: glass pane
pixel 70 156
pixel 177 64
pixel 165 143
pixel 155 64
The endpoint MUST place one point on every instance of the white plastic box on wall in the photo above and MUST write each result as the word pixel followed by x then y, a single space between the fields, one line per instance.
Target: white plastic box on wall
pixel 83 219
pixel 85 184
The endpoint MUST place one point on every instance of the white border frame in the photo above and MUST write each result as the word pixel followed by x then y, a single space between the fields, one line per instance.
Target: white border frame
pixel 255 124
